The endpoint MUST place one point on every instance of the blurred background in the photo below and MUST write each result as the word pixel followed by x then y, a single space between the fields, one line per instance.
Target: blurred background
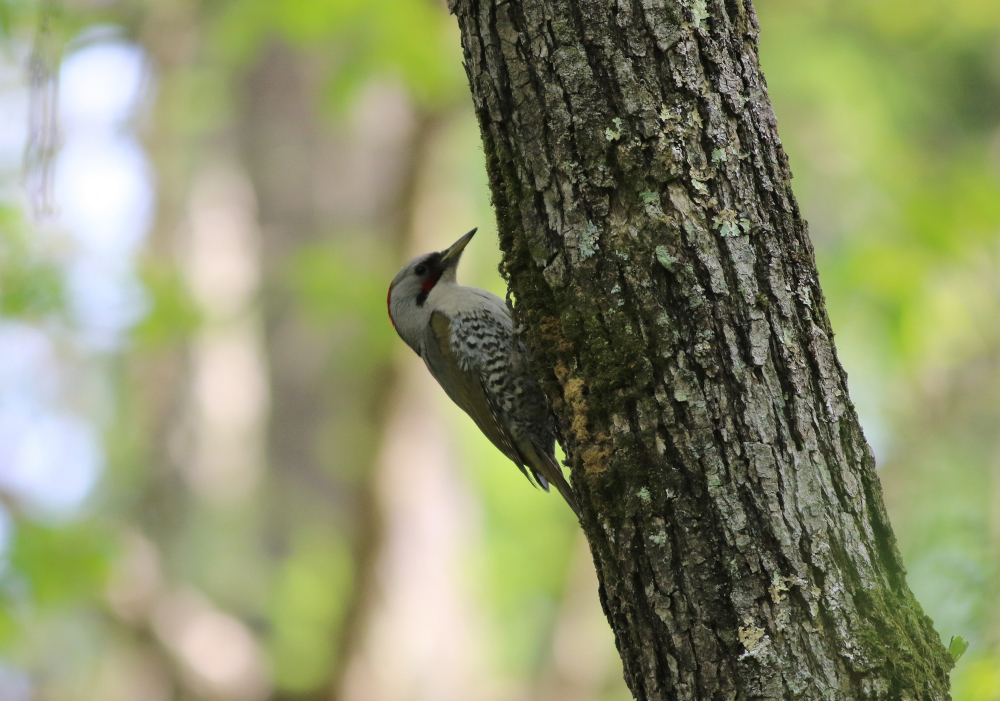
pixel 223 477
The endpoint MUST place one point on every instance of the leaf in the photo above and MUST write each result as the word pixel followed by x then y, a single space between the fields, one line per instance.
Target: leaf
pixel 957 647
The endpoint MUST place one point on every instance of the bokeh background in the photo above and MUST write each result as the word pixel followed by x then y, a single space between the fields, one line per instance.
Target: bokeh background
pixel 223 477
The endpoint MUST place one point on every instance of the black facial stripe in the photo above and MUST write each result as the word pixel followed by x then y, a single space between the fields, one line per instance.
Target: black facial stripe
pixel 434 272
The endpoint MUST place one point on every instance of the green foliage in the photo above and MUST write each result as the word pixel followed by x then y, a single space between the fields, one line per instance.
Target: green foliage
pixel 61 564
pixel 343 283
pixel 5 19
pixel 529 539
pixel 977 679
pixel 308 603
pixel 410 40
pixel 30 285
pixel 48 569
pixel 173 315
pixel 957 648
pixel 17 16
pixel 896 173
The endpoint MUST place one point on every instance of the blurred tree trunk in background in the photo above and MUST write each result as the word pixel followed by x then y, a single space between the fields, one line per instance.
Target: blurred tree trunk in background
pixel 320 398
pixel 157 374
pixel 668 287
pixel 369 540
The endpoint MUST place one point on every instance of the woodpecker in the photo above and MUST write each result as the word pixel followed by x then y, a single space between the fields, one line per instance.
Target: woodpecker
pixel 465 336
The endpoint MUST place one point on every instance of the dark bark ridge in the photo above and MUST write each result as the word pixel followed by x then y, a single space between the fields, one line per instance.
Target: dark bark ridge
pixel 669 294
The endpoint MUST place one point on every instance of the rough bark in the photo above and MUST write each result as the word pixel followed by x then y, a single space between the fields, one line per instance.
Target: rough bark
pixel 668 290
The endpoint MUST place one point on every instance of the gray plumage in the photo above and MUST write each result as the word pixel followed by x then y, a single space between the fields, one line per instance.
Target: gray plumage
pixel 465 336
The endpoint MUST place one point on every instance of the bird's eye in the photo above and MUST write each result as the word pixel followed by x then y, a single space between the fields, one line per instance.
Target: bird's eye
pixel 420 269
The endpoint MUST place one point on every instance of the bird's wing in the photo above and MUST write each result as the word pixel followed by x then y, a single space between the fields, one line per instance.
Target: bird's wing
pixel 466 388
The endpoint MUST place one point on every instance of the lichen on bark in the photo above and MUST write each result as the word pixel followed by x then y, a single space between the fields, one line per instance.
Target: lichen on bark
pixel 670 297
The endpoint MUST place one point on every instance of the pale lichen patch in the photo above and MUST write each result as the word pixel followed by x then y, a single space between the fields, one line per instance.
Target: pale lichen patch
pixel 664 258
pixel 616 133
pixel 653 206
pixel 726 223
pixel 588 241
pixel 583 243
pixel 699 12
pixel 753 639
pixel 779 588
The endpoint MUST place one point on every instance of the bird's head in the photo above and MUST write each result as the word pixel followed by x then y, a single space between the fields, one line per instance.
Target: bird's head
pixel 413 284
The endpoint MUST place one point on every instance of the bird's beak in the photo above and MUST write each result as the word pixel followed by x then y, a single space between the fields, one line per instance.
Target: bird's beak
pixel 450 256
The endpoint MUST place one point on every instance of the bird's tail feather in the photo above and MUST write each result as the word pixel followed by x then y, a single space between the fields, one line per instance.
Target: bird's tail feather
pixel 547 469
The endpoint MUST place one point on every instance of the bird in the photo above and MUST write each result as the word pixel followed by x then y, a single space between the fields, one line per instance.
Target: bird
pixel 465 336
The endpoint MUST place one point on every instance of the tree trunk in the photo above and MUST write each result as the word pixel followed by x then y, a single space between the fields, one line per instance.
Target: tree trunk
pixel 318 391
pixel 668 291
